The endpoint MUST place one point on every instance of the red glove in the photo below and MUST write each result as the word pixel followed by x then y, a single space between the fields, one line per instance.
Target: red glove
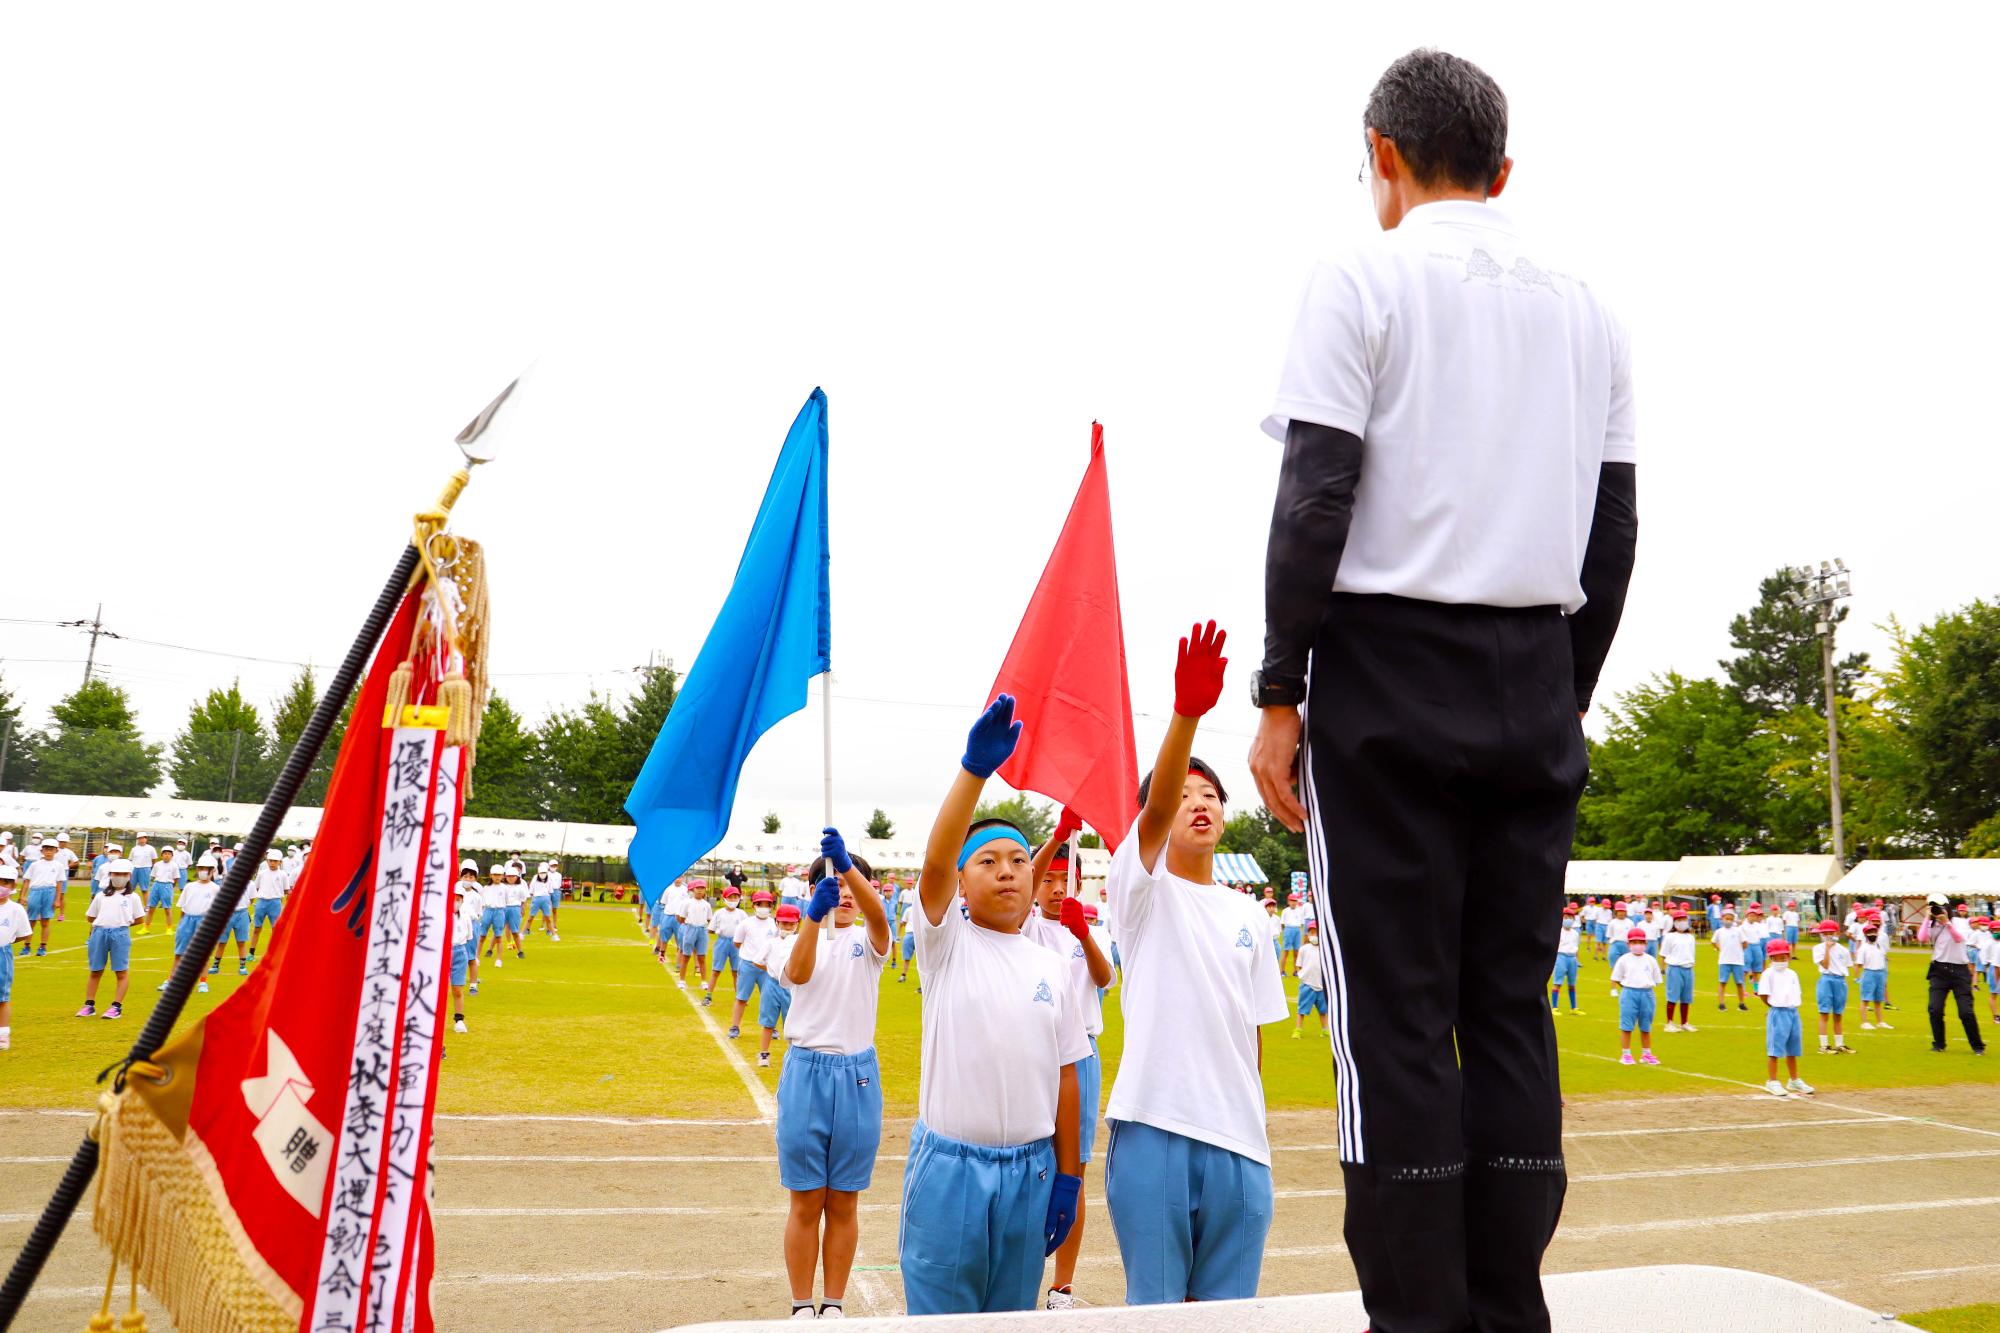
pixel 1071 822
pixel 1072 919
pixel 1198 673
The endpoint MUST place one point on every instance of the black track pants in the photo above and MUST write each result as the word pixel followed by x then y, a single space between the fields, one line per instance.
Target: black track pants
pixel 1442 766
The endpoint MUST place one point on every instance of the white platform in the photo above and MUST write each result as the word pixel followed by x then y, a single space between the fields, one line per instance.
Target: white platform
pixel 1676 1298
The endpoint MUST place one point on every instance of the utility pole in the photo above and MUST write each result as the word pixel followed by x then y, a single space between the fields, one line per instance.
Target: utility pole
pixel 235 745
pixel 1822 590
pixel 96 628
pixel 6 739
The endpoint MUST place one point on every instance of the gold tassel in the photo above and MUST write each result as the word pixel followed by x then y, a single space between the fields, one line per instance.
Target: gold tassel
pixel 398 696
pixel 135 1319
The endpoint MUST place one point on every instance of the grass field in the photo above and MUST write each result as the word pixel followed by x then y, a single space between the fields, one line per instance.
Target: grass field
pixel 586 1027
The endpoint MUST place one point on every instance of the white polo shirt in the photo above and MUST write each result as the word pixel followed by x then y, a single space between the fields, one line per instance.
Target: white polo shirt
pixel 754 936
pixel 1677 948
pixel 196 897
pixel 1636 971
pixel 835 1011
pixel 1200 980
pixel 143 855
pixel 1487 388
pixel 1832 958
pixel 1728 941
pixel 1780 985
pixel 999 1025
pixel 1083 991
pixel 696 913
pixel 13 923
pixel 1567 937
pixel 269 883
pixel 1870 956
pixel 112 910
pixel 46 873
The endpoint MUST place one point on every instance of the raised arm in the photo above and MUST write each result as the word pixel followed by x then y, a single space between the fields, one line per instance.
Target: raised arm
pixel 1197 685
pixel 834 848
pixel 992 738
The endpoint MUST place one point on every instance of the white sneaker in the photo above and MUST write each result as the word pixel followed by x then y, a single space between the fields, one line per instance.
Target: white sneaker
pixel 1687 1027
pixel 1800 1086
pixel 1885 1027
pixel 555 938
pixel 1867 1027
pixel 805 1312
pixel 1062 1300
pixel 458 1025
pixel 832 1312
pixel 498 962
pixel 1776 1089
pixel 1673 1027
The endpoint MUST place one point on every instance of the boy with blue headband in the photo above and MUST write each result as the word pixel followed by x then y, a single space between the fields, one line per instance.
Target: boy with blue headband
pixel 994 1174
pixel 1188 1173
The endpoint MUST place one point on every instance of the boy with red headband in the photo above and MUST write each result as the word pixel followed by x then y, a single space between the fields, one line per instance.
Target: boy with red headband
pixel 1188 1174
pixel 830 1091
pixel 994 1175
pixel 1060 923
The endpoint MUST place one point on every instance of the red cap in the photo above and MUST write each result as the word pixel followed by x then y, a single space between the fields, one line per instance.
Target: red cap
pixel 1791 902
pixel 1827 928
pixel 1591 899
pixel 1715 897
pixel 1880 903
pixel 731 891
pixel 1679 913
pixel 788 912
pixel 1569 909
pixel 1090 911
pixel 697 884
pixel 1635 934
pixel 761 896
pixel 1756 907
pixel 1963 909
pixel 1618 907
pixel 1778 949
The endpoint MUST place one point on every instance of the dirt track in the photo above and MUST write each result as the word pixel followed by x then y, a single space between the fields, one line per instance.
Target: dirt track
pixel 1894 1217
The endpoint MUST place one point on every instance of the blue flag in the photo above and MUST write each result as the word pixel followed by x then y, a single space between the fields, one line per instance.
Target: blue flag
pixel 774 634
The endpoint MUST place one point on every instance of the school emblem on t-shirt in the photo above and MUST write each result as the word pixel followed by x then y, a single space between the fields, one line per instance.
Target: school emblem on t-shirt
pixel 1077 952
pixel 1243 940
pixel 856 953
pixel 1043 995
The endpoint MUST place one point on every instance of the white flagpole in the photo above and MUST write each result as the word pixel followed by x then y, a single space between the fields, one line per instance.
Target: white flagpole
pixel 826 715
pixel 1072 865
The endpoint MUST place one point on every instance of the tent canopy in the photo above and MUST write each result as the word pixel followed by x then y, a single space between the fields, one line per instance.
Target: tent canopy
pixel 1239 868
pixel 1620 879
pixel 1961 878
pixel 1756 874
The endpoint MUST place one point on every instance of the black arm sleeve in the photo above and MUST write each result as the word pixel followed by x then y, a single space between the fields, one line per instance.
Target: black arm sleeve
pixel 1607 569
pixel 1308 533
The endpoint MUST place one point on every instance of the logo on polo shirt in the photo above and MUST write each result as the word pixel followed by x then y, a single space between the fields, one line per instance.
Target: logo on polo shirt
pixel 1043 995
pixel 1243 940
pixel 1077 952
pixel 857 950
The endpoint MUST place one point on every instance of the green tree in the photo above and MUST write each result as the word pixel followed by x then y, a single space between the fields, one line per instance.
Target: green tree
pixel 771 821
pixel 223 753
pixel 1984 840
pixel 1683 769
pixel 1035 818
pixel 1878 812
pixel 639 722
pixel 17 745
pixel 507 772
pixel 1257 833
pixel 1945 690
pixel 95 747
pixel 583 763
pixel 879 826
pixel 1777 664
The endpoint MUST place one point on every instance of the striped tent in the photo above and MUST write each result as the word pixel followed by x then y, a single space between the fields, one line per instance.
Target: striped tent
pixel 1239 868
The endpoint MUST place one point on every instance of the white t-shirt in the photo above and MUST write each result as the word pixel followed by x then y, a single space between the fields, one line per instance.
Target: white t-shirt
pixel 1780 985
pixel 754 937
pixel 1199 984
pixel 697 912
pixel 677 898
pixel 68 858
pixel 1728 941
pixel 725 921
pixel 1677 948
pixel 1636 971
pixel 1832 957
pixel 775 959
pixel 1653 927
pixel 791 887
pixel 547 884
pixel 269 883
pixel 116 909
pixel 835 1011
pixel 1616 929
pixel 1791 918
pixel 1311 973
pixel 1871 957
pixel 196 897
pixel 13 923
pixel 471 906
pixel 999 1025
pixel 911 899
pixel 143 856
pixel 1487 389
pixel 1566 940
pixel 1756 930
pixel 1292 917
pixel 47 873
pixel 1083 991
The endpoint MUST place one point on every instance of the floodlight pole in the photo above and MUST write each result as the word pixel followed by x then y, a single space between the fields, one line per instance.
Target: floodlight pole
pixel 1832 735
pixel 1822 589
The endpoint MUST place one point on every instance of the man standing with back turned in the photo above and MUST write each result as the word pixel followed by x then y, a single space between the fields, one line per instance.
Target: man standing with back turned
pixel 1458 471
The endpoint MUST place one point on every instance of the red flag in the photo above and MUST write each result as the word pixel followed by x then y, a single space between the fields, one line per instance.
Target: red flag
pixel 1066 670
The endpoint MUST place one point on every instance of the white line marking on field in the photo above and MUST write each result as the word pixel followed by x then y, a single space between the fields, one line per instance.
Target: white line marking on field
pixel 1727 1129
pixel 767 1105
pixel 1758 1219
pixel 1669 1173
pixel 567 1119
pixel 1919 1274
pixel 31 1161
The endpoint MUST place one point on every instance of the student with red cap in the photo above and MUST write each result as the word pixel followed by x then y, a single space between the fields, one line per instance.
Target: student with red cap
pixel 754 937
pixel 1616 931
pixel 1791 920
pixel 1834 962
pixel 1871 955
pixel 1567 940
pixel 1637 975
pixel 1756 936
pixel 1677 954
pixel 776 1001
pixel 1779 990
pixel 1727 941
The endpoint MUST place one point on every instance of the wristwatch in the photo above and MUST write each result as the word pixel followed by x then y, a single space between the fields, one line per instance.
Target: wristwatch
pixel 1267 692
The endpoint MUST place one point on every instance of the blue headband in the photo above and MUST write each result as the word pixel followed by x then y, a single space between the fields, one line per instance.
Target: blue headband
pixel 991 833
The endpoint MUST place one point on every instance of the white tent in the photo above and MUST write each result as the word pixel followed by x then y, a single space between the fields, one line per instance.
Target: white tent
pixel 1969 878
pixel 1619 879
pixel 1755 874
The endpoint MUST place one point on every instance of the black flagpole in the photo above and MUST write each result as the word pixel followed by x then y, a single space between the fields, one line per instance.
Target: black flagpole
pixel 160 1025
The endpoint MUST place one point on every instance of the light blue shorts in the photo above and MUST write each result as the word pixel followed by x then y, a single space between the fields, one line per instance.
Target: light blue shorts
pixel 750 980
pixel 1565 973
pixel 1875 985
pixel 142 878
pixel 1312 1000
pixel 1191 1218
pixel 1831 995
pixel 774 1005
pixel 538 905
pixel 1635 1009
pixel 1292 936
pixel 514 918
pixel 239 926
pixel 110 946
pixel 1792 936
pixel 829 1120
pixel 971 1234
pixel 1728 972
pixel 1089 1098
pixel 161 894
pixel 41 904
pixel 1653 946
pixel 6 973
pixel 266 911
pixel 909 944
pixel 1782 1032
pixel 694 939
pixel 190 922
pixel 725 956
pixel 461 958
pixel 1753 958
pixel 1680 985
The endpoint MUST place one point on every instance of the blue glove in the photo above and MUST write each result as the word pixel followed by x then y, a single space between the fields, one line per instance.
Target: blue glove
pixel 992 738
pixel 825 898
pixel 834 849
pixel 1062 1211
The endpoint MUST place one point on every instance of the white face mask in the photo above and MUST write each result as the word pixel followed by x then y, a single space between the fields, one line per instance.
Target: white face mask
pixel 763 913
pixel 1682 925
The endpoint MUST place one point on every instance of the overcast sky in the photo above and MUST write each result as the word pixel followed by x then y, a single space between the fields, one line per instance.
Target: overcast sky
pixel 265 262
